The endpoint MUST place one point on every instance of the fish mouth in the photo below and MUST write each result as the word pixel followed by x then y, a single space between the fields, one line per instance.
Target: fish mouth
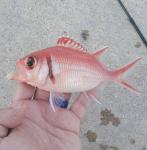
pixel 15 76
pixel 12 76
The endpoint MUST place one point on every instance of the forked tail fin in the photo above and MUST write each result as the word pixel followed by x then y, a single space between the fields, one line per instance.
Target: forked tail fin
pixel 116 76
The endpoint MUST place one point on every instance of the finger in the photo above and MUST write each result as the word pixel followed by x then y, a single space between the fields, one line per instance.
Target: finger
pixel 80 105
pixel 42 95
pixel 3 131
pixel 59 99
pixel 23 91
pixel 67 96
pixel 63 99
pixel 13 116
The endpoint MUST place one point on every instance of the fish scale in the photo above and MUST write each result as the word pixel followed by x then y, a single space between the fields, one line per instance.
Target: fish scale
pixel 75 74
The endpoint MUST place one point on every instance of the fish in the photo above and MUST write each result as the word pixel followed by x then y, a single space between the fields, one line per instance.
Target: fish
pixel 68 67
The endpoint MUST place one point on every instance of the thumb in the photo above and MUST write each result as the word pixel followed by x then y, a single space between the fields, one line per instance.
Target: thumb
pixel 80 105
pixel 12 116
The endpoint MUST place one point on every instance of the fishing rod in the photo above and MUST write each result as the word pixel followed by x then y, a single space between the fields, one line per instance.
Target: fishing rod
pixel 133 23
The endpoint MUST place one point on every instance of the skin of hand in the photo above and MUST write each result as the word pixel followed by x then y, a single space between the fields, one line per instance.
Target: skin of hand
pixel 32 125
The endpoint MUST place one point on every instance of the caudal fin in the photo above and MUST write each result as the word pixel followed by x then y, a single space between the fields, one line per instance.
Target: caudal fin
pixel 116 76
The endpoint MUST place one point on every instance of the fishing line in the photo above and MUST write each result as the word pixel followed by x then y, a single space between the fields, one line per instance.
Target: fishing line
pixel 133 23
pixel 34 94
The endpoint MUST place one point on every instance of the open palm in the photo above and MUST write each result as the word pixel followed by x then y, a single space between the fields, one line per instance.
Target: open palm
pixel 32 124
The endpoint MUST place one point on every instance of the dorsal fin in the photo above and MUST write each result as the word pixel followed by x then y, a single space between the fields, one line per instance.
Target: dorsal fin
pixel 68 42
pixel 100 52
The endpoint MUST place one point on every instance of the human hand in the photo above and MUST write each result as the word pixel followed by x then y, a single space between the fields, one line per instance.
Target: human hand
pixel 34 126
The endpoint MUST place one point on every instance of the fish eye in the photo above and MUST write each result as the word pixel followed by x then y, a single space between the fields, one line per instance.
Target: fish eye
pixel 30 62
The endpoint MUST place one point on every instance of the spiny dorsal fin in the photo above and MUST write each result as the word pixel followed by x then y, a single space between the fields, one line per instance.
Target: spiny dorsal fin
pixel 68 42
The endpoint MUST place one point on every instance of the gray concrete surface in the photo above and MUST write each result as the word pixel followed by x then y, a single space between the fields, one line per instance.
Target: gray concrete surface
pixel 120 123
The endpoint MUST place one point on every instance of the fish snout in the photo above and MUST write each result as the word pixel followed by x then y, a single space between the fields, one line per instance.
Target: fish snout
pixel 12 76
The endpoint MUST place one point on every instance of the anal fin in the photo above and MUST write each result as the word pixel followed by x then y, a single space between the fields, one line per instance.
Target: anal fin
pixel 91 94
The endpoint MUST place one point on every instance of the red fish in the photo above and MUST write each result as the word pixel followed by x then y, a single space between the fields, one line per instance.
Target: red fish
pixel 67 68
